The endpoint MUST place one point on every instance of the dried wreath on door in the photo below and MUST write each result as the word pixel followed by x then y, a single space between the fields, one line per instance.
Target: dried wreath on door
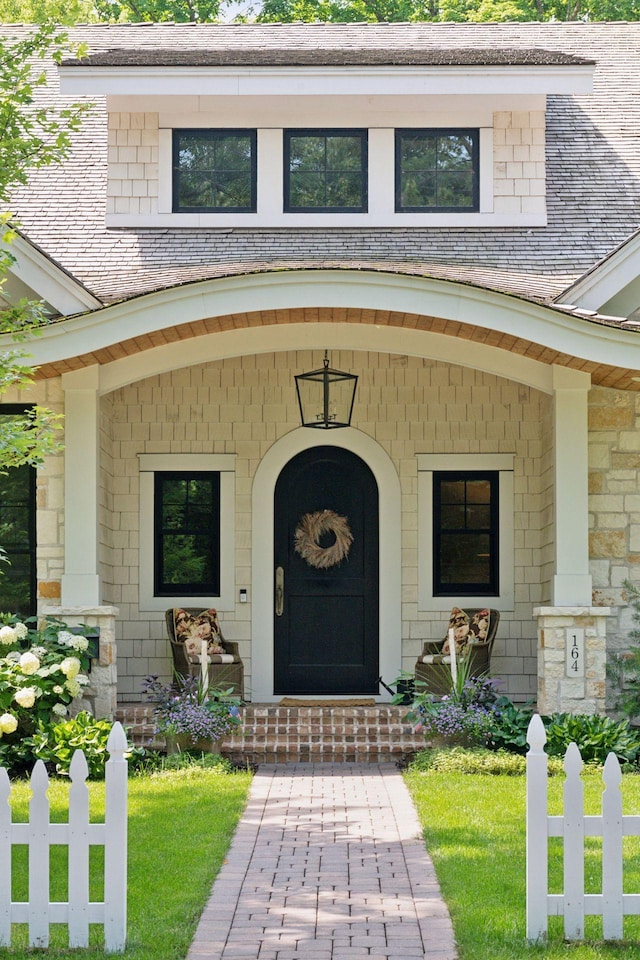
pixel 307 536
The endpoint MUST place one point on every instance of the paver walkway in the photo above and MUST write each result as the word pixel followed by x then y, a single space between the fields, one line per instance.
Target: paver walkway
pixel 327 864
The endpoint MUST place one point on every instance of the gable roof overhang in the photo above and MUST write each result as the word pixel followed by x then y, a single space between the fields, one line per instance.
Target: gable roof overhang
pixel 610 287
pixel 421 316
pixel 35 276
pixel 324 71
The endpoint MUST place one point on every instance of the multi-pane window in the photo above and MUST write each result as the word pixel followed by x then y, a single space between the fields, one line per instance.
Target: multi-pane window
pixel 465 534
pixel 325 171
pixel 187 534
pixel 214 171
pixel 436 170
pixel 18 533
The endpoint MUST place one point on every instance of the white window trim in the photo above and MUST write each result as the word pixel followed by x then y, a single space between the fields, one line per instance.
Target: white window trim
pixel 428 464
pixel 381 190
pixel 223 463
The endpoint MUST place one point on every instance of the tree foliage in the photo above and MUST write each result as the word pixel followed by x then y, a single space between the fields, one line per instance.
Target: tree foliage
pixel 462 11
pixel 331 11
pixel 31 136
pixel 68 12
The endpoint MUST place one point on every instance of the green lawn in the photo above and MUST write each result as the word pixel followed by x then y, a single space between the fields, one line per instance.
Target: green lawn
pixel 180 825
pixel 474 827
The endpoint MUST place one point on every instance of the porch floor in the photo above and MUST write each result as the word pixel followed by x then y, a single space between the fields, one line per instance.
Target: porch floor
pixel 319 734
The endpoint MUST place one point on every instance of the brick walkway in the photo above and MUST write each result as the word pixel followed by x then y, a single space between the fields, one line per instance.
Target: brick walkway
pixel 327 864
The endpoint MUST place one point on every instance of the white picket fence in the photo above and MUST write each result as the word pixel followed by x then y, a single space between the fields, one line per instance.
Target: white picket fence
pixel 79 834
pixel 573 826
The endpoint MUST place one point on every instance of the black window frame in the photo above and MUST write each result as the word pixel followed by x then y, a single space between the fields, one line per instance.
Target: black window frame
pixel 429 133
pixel 162 588
pixel 459 588
pixel 362 133
pixel 213 133
pixel 19 409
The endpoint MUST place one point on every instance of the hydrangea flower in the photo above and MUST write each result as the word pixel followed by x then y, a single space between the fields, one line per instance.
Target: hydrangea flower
pixel 59 709
pixel 74 640
pixel 29 663
pixel 21 630
pixel 25 696
pixel 70 666
pixel 8 723
pixel 73 686
pixel 7 635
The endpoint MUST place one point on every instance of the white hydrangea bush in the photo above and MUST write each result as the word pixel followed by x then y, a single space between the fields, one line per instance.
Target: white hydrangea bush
pixel 42 670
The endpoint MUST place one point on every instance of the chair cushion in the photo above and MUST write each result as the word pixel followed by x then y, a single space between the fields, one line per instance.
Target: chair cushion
pixel 467 629
pixel 479 626
pixel 192 629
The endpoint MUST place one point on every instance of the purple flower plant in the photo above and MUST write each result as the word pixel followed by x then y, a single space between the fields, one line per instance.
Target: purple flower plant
pixel 185 709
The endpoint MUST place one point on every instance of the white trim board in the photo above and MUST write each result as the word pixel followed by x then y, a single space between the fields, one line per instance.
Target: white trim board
pixel 225 465
pixel 427 465
pixel 329 288
pixel 262 533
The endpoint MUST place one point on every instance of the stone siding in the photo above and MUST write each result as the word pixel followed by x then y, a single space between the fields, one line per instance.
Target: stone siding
pixel 614 503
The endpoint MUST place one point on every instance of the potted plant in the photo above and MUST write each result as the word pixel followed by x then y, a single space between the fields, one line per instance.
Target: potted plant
pixel 462 717
pixel 190 714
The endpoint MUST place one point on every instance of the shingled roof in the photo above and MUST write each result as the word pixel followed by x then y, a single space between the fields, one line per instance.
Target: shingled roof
pixel 593 164
pixel 326 57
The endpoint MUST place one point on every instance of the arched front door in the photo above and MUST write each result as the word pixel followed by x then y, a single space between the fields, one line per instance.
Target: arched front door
pixel 326 619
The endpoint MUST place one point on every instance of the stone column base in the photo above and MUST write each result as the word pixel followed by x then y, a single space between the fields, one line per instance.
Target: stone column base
pixel 558 690
pixel 104 671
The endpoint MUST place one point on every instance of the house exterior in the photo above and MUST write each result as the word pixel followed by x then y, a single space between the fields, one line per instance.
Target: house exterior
pixel 450 211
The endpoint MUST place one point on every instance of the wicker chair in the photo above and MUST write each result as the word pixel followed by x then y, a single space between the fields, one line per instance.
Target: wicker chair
pixel 435 673
pixel 220 674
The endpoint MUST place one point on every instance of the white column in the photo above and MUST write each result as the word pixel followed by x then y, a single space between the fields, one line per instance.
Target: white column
pixel 572 582
pixel 80 582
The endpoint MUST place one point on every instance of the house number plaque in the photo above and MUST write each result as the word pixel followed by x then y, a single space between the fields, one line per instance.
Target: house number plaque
pixel 575 653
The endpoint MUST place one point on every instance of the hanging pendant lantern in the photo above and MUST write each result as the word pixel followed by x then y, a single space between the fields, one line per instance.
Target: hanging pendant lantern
pixel 326 397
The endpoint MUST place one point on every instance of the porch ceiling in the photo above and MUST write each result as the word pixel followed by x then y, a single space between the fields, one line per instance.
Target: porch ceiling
pixel 601 374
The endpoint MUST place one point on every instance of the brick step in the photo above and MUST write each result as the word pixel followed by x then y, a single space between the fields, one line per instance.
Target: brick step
pixel 276 734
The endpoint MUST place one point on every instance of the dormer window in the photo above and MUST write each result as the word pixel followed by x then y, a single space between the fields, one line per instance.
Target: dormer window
pixel 325 171
pixel 437 171
pixel 214 171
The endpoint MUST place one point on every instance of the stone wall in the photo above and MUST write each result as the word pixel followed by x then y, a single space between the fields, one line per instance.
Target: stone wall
pixel 614 503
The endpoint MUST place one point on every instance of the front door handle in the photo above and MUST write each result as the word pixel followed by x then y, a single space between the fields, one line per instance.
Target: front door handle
pixel 279 591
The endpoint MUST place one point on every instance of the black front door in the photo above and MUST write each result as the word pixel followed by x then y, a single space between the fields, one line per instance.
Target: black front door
pixel 326 613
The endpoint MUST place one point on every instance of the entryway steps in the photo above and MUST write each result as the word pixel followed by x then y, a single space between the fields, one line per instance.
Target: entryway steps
pixel 275 734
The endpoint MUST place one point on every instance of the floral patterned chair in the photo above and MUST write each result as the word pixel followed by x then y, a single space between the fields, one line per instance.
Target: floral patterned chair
pixel 188 627
pixel 474 632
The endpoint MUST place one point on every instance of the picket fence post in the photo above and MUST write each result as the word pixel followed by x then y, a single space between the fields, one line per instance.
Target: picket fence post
pixel 612 906
pixel 537 849
pixel 573 860
pixel 39 858
pixel 79 852
pixel 78 834
pixel 115 854
pixel 5 859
